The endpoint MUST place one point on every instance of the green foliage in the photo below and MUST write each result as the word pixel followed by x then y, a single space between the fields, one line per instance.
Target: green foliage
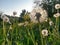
pixel 49 5
pixel 31 34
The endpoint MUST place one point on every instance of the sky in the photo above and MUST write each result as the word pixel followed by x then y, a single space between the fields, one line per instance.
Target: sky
pixel 8 6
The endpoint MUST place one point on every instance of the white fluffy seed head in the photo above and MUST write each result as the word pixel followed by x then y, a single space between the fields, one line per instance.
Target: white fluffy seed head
pixel 51 23
pixel 5 19
pixel 45 32
pixel 57 6
pixel 40 10
pixel 56 15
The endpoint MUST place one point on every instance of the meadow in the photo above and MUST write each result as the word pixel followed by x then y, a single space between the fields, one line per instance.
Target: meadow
pixel 29 33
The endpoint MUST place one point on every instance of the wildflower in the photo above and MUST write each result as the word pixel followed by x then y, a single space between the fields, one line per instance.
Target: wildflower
pixel 2 16
pixel 5 19
pixel 51 23
pixel 38 15
pixel 45 32
pixel 57 6
pixel 32 16
pixel 56 15
pixel 14 13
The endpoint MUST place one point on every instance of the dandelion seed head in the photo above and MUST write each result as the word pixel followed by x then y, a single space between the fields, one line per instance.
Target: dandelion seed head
pixel 45 32
pixel 38 14
pixel 51 23
pixel 56 15
pixel 57 6
pixel 5 18
pixel 14 13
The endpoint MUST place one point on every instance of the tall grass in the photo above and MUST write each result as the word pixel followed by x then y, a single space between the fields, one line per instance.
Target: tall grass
pixel 30 34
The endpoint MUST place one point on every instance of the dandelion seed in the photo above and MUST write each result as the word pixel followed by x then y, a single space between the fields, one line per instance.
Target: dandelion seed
pixel 57 6
pixel 45 32
pixel 43 19
pixel 38 14
pixel 2 16
pixel 51 23
pixel 5 19
pixel 56 15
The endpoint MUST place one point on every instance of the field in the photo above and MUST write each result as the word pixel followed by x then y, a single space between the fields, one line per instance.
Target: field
pixel 29 33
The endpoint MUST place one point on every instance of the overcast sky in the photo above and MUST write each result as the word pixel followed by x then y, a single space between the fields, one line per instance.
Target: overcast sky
pixel 8 6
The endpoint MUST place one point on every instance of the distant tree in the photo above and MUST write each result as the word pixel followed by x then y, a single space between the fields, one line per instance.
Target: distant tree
pixel 21 15
pixel 49 5
pixel 24 16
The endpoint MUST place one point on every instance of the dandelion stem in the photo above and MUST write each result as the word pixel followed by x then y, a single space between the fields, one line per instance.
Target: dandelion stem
pixel 40 34
pixel 57 25
pixel 31 37
pixel 28 41
pixel 45 41
pixel 4 32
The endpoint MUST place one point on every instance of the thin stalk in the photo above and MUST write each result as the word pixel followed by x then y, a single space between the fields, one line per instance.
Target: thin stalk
pixel 31 37
pixel 57 25
pixel 45 41
pixel 36 43
pixel 11 35
pixel 16 36
pixel 15 24
pixel 28 41
pixel 41 34
pixel 9 43
pixel 3 33
pixel 27 38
